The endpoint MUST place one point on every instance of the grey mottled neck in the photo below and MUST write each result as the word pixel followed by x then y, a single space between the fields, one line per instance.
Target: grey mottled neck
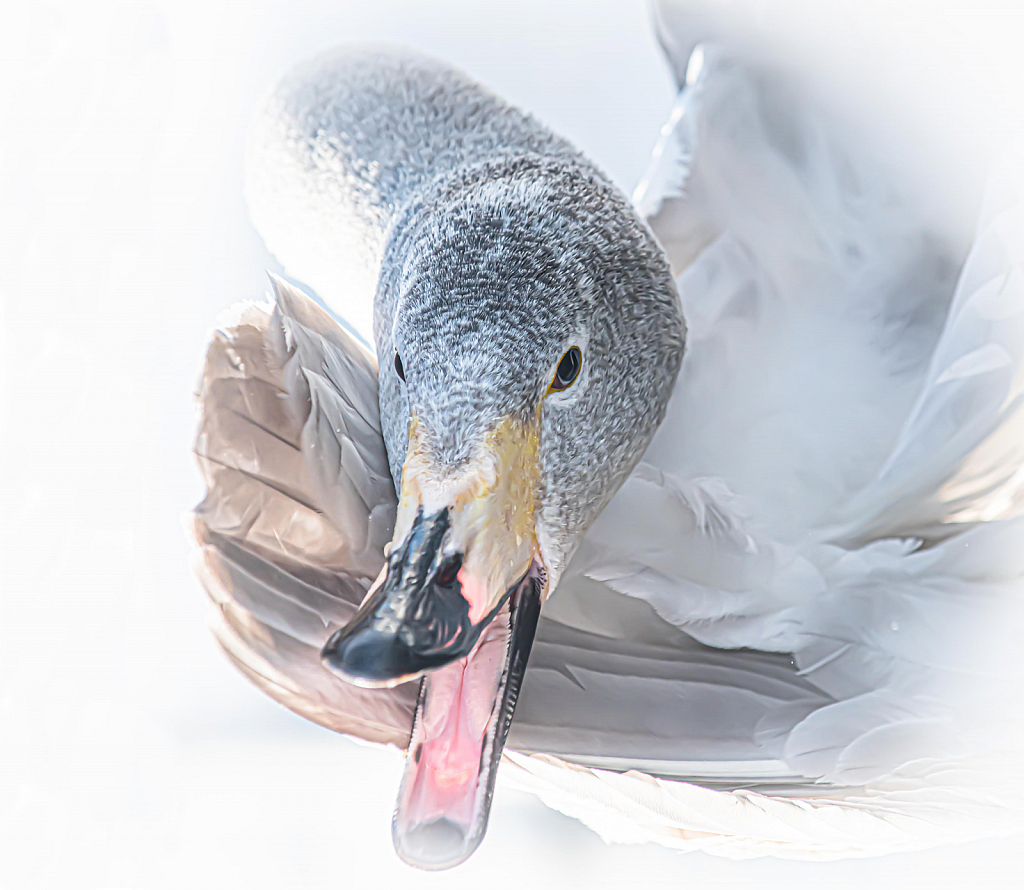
pixel 371 127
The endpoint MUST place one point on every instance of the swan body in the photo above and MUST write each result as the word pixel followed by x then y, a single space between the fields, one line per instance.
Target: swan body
pixel 792 628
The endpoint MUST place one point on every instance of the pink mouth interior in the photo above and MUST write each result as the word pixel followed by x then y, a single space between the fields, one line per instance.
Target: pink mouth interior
pixel 442 806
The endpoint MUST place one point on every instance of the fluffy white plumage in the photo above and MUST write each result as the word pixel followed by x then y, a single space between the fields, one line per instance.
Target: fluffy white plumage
pixel 838 479
pixel 838 476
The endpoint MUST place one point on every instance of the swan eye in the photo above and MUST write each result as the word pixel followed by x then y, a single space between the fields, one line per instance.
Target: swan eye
pixel 399 370
pixel 567 371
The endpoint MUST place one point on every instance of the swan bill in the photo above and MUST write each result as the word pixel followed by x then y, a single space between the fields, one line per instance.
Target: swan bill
pixel 457 605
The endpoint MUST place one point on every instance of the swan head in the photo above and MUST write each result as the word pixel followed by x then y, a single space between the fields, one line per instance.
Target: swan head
pixel 529 334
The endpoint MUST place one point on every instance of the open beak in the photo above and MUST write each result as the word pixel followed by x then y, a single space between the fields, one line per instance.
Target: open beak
pixel 457 603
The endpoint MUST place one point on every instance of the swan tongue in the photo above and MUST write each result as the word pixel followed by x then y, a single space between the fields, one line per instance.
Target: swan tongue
pixel 458 734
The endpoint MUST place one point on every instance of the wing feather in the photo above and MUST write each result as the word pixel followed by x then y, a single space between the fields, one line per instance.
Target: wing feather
pixel 299 505
pixel 838 475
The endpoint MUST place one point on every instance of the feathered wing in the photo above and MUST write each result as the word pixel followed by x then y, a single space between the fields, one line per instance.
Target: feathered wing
pixel 959 456
pixel 933 803
pixel 299 505
pixel 837 478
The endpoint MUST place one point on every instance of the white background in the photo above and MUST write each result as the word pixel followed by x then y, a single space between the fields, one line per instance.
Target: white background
pixel 131 755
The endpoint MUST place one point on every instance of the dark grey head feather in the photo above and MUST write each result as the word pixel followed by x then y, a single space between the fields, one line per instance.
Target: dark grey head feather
pixel 488 277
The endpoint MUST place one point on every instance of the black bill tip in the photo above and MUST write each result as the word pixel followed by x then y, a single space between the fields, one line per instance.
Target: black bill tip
pixel 370 657
pixel 415 621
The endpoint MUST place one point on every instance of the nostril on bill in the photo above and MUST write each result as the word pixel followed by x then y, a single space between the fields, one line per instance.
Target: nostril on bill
pixel 448 572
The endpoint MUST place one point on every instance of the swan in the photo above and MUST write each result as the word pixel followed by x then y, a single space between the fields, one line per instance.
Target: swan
pixel 735 468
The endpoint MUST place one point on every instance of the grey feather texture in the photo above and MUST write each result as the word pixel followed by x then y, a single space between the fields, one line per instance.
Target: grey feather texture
pixel 299 505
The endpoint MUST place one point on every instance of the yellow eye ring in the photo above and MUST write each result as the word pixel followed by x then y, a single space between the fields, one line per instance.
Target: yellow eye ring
pixel 568 370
